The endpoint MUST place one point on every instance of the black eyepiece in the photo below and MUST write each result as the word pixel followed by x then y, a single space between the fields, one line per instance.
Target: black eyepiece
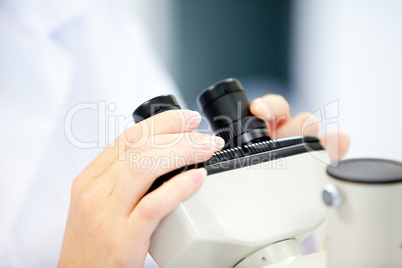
pixel 226 107
pixel 155 106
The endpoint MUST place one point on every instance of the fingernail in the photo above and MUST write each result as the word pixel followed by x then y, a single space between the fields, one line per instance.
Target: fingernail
pixel 217 142
pixel 197 176
pixel 192 118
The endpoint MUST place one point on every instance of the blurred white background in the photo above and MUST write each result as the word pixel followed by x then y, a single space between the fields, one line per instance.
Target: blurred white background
pixel 350 51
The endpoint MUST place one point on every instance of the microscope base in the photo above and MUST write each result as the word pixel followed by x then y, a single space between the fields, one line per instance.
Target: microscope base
pixel 315 260
pixel 283 254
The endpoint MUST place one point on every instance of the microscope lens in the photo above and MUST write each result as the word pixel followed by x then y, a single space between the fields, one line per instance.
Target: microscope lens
pixel 226 107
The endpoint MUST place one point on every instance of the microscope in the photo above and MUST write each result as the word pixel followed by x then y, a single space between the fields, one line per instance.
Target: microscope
pixel 261 198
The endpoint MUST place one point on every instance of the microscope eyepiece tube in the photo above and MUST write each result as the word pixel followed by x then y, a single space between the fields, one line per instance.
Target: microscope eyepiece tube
pixel 155 106
pixel 226 107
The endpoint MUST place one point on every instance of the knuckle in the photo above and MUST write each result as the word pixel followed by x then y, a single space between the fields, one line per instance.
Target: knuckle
pixel 82 196
pixel 310 124
pixel 133 134
pixel 84 202
pixel 141 164
pixel 148 210
pixel 78 184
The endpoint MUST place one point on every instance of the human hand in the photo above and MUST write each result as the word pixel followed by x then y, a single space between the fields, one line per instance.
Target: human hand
pixel 275 111
pixel 110 221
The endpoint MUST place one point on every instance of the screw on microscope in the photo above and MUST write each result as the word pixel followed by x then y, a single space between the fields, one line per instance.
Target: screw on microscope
pixel 332 196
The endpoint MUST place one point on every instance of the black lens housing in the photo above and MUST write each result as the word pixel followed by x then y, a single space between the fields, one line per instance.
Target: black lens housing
pixel 226 107
pixel 155 106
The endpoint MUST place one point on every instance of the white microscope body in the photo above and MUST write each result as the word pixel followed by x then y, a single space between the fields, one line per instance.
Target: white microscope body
pixel 262 197
pixel 263 209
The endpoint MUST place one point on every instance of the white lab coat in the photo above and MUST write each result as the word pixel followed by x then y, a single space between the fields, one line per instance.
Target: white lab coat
pixel 53 56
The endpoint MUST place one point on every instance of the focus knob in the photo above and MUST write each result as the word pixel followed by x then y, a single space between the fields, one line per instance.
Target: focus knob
pixel 155 106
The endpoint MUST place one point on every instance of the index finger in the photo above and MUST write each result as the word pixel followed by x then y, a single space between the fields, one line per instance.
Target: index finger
pixel 271 105
pixel 169 122
pixel 273 109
